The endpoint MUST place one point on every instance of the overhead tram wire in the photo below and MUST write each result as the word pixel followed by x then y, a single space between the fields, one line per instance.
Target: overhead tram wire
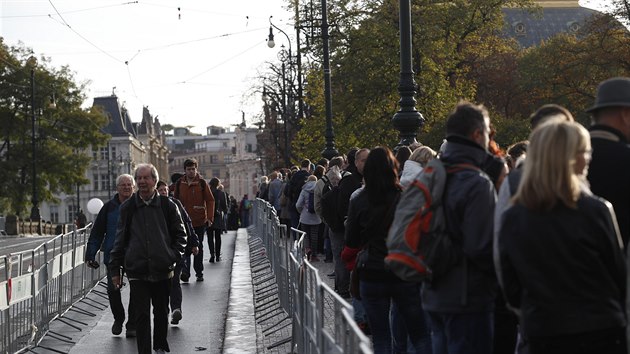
pixel 221 63
pixel 72 11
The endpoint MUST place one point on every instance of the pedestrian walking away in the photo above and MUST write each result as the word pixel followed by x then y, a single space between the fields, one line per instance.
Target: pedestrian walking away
pixel 150 240
pixel 216 229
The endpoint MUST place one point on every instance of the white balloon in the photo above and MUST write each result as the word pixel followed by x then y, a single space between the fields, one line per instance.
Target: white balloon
pixel 94 205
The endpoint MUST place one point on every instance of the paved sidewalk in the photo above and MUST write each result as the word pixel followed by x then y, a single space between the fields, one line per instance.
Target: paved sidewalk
pixel 205 309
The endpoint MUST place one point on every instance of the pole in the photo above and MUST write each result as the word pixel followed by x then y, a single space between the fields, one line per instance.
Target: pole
pixel 407 120
pixel 287 160
pixel 35 216
pixel 109 174
pixel 330 151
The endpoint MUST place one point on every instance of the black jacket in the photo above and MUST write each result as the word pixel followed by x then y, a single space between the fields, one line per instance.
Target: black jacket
pixel 367 226
pixel 609 173
pixel 348 184
pixel 147 244
pixel 564 269
pixel 220 208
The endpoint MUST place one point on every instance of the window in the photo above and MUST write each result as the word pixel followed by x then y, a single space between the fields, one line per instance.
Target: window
pixel 113 152
pixel 71 213
pixel 103 153
pixel 216 173
pixel 94 153
pixel 95 179
pixel 104 185
pixel 249 148
pixel 214 159
pixel 54 214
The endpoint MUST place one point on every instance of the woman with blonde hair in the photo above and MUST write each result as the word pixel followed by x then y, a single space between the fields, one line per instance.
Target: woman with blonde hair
pixel 559 257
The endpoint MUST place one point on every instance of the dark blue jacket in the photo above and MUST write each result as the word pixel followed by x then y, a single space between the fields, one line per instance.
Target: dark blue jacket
pixel 103 231
pixel 471 285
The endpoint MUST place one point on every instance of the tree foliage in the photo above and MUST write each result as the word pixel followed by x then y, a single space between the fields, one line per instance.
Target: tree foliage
pixel 62 133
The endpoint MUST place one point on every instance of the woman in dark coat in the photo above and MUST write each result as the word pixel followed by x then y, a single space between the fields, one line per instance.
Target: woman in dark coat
pixel 233 214
pixel 559 253
pixel 216 229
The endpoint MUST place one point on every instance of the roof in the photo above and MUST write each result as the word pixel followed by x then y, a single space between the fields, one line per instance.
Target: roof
pixel 532 29
pixel 119 120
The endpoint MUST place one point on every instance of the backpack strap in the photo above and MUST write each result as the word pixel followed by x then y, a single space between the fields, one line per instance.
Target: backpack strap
pixel 176 193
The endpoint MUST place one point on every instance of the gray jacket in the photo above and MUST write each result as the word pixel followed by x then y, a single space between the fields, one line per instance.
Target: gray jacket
pixel 471 285
pixel 147 243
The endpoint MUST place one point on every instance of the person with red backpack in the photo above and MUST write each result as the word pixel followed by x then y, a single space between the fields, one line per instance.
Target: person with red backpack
pixel 193 191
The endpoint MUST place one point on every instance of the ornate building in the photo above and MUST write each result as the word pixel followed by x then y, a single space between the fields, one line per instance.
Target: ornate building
pixel 130 144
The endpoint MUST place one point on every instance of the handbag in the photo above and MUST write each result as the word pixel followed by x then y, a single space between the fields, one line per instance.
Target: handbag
pixel 355 279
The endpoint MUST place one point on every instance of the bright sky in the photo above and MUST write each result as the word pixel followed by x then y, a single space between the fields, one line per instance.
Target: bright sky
pixel 192 62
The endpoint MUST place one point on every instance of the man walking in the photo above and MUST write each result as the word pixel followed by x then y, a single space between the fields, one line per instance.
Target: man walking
pixel 102 237
pixel 461 302
pixel 150 240
pixel 216 229
pixel 193 191
pixel 609 171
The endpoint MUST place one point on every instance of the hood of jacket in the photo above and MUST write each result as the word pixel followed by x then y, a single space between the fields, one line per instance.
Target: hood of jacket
pixel 309 186
pixel 462 150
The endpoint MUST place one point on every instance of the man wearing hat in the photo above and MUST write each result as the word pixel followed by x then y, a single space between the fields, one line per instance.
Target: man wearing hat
pixel 609 171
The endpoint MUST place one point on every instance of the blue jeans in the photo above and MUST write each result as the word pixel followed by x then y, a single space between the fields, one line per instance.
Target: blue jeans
pixel 377 298
pixel 465 333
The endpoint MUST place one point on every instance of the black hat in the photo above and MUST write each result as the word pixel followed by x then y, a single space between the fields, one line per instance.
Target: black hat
pixel 613 92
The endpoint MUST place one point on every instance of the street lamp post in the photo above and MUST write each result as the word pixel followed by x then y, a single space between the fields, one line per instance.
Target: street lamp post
pixel 35 216
pixel 330 151
pixel 271 43
pixel 407 120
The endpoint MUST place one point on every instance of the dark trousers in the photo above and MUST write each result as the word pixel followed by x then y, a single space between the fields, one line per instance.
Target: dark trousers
pixel 143 294
pixel 342 274
pixel 176 287
pixel 115 304
pixel 610 341
pixel 462 333
pixel 214 242
pixel 198 259
pixel 377 298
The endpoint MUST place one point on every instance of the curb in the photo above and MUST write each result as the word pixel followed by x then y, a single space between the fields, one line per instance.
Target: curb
pixel 240 326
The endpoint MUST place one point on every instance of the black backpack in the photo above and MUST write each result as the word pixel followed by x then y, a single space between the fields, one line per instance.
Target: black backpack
pixel 330 212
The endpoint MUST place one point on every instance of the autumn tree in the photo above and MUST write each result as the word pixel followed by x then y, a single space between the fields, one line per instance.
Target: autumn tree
pixel 63 131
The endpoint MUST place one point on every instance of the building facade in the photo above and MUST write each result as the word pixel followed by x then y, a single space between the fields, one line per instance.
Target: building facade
pixel 130 144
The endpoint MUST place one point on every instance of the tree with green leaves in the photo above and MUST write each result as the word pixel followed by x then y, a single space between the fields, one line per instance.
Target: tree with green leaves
pixel 63 130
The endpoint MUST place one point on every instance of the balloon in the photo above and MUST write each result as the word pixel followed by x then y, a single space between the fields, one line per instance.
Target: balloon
pixel 94 205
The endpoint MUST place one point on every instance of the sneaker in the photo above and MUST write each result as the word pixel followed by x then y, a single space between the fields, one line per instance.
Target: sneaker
pixel 200 278
pixel 331 275
pixel 176 316
pixel 184 277
pixel 131 333
pixel 117 328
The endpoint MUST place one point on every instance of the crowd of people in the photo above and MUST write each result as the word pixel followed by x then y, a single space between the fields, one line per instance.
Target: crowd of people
pixel 150 236
pixel 540 229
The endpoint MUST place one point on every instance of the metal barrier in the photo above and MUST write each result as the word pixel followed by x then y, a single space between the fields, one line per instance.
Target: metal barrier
pixel 288 287
pixel 41 285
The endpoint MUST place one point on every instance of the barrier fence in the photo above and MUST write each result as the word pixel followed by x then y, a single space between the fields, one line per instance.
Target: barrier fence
pixel 41 285
pixel 288 287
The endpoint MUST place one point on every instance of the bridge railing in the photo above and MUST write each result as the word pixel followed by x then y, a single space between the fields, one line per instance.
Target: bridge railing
pixel 322 321
pixel 40 285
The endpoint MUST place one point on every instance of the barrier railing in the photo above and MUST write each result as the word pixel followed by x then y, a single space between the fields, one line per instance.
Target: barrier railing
pixel 40 285
pixel 321 320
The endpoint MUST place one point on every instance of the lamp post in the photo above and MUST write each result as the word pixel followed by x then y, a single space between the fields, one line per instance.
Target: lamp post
pixel 407 120
pixel 330 151
pixel 35 216
pixel 283 57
